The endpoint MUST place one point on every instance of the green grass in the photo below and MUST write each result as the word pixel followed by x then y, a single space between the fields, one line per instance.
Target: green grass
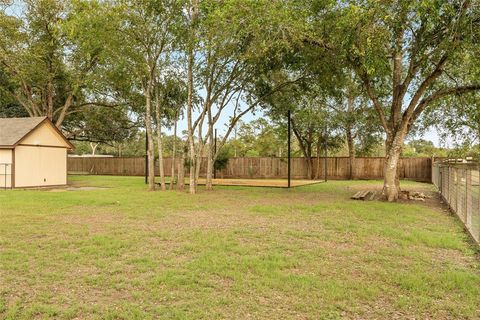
pixel 237 252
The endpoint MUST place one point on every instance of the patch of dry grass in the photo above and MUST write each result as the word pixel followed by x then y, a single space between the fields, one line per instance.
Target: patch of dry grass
pixel 237 252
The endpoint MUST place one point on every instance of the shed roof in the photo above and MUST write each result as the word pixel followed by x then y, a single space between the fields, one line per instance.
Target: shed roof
pixel 13 130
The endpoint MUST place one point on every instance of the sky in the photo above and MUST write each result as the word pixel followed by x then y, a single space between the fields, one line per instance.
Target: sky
pixel 433 136
pixel 221 126
pixel 15 8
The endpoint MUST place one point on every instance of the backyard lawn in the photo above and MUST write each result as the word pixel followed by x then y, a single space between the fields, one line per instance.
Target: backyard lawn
pixel 120 252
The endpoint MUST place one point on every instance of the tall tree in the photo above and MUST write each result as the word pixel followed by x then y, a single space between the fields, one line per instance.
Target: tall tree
pixel 405 53
pixel 142 36
pixel 191 41
pixel 170 96
pixel 313 121
pixel 48 63
pixel 239 41
pixel 349 107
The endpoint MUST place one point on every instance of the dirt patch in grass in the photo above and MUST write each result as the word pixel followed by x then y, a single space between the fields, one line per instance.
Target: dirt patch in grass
pixel 283 183
pixel 94 222
pixel 432 198
pixel 79 188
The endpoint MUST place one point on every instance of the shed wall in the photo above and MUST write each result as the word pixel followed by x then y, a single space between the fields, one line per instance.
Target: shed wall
pixel 5 168
pixel 37 166
pixel 44 135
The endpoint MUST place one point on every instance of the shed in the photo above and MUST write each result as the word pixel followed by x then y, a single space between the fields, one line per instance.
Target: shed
pixel 33 153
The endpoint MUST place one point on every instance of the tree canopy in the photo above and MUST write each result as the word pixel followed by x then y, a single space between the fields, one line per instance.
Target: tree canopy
pixel 354 74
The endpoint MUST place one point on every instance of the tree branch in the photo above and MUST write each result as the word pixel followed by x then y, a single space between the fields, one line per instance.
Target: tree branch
pixel 376 103
pixel 423 87
pixel 440 94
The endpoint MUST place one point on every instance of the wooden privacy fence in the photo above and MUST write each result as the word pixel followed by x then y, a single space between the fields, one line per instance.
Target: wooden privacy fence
pixel 418 169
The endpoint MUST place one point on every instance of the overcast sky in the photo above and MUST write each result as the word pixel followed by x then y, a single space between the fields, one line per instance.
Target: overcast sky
pixel 431 134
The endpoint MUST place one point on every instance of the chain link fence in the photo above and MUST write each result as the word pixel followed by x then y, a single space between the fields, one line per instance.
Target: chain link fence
pixel 459 185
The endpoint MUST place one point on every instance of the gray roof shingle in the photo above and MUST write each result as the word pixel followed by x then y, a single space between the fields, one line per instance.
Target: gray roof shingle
pixel 13 130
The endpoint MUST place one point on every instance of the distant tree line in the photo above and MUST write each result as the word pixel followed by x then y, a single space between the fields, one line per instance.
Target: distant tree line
pixel 353 74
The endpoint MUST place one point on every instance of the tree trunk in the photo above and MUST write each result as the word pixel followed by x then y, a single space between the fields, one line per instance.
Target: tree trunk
pixel 309 146
pixel 50 93
pixel 309 162
pixel 210 162
pixel 351 153
pixel 63 113
pixel 393 146
pixel 198 163
pixel 210 152
pixel 190 88
pixel 150 146
pixel 191 143
pixel 350 142
pixel 319 146
pixel 236 141
pixel 174 151
pixel 160 160
pixel 306 147
pixel 94 147
pixel 158 115
pixel 181 173
pixel 199 151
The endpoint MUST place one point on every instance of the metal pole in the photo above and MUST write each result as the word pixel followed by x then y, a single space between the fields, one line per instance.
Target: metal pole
pixel 146 157
pixel 215 152
pixel 326 154
pixel 5 185
pixel 289 149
